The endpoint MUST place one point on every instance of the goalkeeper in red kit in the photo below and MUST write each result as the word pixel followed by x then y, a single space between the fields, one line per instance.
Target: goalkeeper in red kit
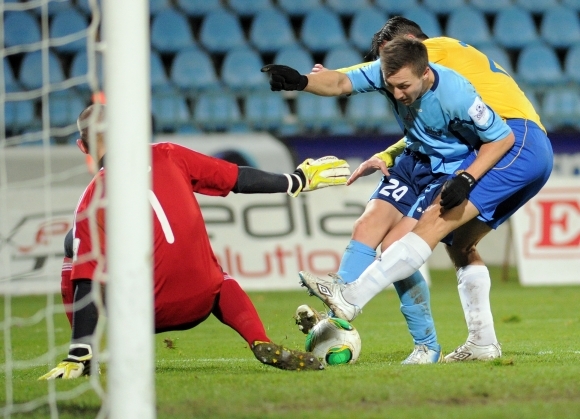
pixel 189 284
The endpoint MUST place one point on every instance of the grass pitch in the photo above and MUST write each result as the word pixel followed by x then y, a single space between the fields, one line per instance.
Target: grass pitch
pixel 209 372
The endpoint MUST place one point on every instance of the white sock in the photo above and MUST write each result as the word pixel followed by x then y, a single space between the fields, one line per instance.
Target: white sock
pixel 474 284
pixel 399 261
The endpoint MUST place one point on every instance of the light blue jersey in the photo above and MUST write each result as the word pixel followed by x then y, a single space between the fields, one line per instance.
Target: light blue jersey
pixel 446 123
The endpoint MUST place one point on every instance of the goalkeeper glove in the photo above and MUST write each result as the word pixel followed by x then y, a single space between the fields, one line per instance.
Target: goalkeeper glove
pixel 74 366
pixel 283 77
pixel 456 190
pixel 317 174
pixel 391 153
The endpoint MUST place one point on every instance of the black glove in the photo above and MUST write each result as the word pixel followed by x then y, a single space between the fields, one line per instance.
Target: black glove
pixel 283 77
pixel 456 190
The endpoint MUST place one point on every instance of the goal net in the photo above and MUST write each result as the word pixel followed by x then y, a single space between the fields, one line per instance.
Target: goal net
pixel 56 62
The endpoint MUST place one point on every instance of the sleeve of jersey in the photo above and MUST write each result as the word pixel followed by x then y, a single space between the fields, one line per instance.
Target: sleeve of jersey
pixel 85 260
pixel 435 51
pixel 366 78
pixel 209 175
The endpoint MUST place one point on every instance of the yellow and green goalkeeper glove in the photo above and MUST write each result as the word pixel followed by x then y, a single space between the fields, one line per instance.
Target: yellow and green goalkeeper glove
pixel 71 367
pixel 391 153
pixel 321 173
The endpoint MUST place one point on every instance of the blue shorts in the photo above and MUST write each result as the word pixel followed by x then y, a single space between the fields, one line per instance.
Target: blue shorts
pixel 516 178
pixel 411 185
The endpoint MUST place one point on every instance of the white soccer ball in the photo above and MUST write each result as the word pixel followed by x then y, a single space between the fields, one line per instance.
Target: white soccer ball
pixel 334 341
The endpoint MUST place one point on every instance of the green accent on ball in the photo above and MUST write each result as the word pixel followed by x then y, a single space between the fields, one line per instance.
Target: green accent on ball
pixel 343 324
pixel 338 355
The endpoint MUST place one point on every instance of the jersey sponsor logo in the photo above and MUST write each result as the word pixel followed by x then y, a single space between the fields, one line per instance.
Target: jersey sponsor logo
pixel 479 112
pixel 433 131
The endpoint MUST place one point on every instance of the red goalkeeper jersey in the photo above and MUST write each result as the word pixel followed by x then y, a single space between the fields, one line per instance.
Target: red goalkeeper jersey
pixel 187 276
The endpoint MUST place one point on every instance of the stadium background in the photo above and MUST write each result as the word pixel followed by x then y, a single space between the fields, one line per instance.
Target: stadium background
pixel 208 92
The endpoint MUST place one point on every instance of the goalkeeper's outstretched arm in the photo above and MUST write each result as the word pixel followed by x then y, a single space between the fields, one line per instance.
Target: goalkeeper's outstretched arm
pixel 308 176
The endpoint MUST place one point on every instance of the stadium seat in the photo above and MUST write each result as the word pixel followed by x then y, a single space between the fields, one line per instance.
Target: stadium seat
pixel 54 7
pixel 561 107
pixel 66 23
pixel 514 28
pixel 157 6
pixel 271 30
pixel 247 8
pixel 31 70
pixel 216 111
pixel 573 4
pixel 443 7
pixel 365 23
pixel 159 78
pixel 317 112
pixel 499 56
pixel 266 110
pixel 427 20
pixel 241 70
pixel 193 71
pixel 85 6
pixel 537 6
pixel 347 7
pixel 295 57
pixel 79 68
pixel 199 8
pixel 170 32
pixel 342 57
pixel 18 115
pixel 221 31
pixel 538 66
pixel 560 27
pixel 169 109
pixel 395 7
pixel 322 30
pixel 20 28
pixel 572 64
pixel 10 82
pixel 64 107
pixel 491 6
pixel 468 25
pixel 370 111
pixel 298 7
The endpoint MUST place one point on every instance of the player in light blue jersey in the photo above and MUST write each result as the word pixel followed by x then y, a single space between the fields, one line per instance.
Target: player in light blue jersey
pixel 495 179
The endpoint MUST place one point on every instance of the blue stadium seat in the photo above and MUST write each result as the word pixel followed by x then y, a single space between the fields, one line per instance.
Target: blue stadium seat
pixel 491 6
pixel 31 70
pixel 216 111
pixel 266 110
pixel 347 7
pixel 20 28
pixel 572 64
pixel 573 4
pixel 322 30
pixel 295 57
pixel 317 112
pixel 79 68
pixel 468 25
pixel 157 6
pixel 443 7
pixel 221 31
pixel 561 107
pixel 396 7
pixel 169 109
pixel 68 22
pixel 64 107
pixel 514 28
pixel 170 32
pixel 199 8
pixel 365 23
pixel 271 30
pixel 427 20
pixel 370 111
pixel 247 8
pixel 159 78
pixel 10 82
pixel 499 56
pixel 538 66
pixel 19 115
pixel 560 27
pixel 537 6
pixel 85 6
pixel 241 70
pixel 298 7
pixel 54 7
pixel 342 57
pixel 193 71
